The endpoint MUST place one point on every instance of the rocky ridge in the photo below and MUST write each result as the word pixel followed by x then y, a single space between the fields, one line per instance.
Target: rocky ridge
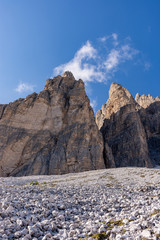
pixel 54 132
pixel 145 100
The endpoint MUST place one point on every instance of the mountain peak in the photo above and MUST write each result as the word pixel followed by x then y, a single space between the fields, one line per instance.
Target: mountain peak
pixel 68 74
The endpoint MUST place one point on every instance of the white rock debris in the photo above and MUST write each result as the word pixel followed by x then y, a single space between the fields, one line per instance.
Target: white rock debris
pixel 121 203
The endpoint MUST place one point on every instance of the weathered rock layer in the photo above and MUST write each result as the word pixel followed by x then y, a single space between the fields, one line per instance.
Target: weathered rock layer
pixel 53 132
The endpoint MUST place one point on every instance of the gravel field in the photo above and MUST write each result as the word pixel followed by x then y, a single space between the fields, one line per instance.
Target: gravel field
pixel 121 203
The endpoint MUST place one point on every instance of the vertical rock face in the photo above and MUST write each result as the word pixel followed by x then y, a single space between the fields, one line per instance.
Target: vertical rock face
pixel 53 132
pixel 122 129
pixel 149 112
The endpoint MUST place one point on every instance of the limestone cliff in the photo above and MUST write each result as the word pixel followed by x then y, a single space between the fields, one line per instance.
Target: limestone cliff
pixel 122 128
pixel 53 132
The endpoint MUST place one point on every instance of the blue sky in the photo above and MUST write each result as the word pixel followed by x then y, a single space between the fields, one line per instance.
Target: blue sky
pixel 100 41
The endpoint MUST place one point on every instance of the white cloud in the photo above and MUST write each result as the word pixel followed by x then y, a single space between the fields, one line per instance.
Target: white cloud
pixel 88 89
pixel 128 52
pixel 100 63
pixel 113 59
pixel 119 55
pixel 24 87
pixel 103 39
pixel 93 104
pixel 115 36
pixel 147 66
pixel 80 66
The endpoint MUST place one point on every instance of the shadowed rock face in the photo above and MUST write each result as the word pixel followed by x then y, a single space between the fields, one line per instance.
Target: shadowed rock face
pixel 150 117
pixel 53 132
pixel 121 126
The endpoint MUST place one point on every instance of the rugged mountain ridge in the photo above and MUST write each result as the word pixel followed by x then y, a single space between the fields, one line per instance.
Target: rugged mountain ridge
pixel 53 132
pixel 131 127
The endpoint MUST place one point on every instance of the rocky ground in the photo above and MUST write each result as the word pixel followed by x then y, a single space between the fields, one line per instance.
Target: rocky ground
pixel 121 203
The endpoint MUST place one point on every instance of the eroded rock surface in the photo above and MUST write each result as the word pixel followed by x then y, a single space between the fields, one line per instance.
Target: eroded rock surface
pixel 53 132
pixel 121 126
pixel 145 100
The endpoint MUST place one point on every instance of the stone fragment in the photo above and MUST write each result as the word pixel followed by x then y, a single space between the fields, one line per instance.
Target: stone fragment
pixel 19 222
pixel 146 233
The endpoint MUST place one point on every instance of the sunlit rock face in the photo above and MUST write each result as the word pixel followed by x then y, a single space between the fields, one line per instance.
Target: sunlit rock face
pixel 53 132
pixel 122 129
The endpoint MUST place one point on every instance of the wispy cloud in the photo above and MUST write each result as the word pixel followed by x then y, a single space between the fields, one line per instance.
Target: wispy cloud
pixel 93 104
pixel 115 39
pixel 112 60
pixel 115 36
pixel 98 64
pixel 119 55
pixel 147 66
pixel 24 87
pixel 103 39
pixel 80 65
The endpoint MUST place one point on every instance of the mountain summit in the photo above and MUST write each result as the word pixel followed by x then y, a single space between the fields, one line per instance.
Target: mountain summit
pixel 53 132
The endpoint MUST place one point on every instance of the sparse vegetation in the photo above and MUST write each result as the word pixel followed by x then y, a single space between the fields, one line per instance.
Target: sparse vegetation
pixel 34 183
pixel 157 211
pixel 109 185
pixel 142 175
pixel 100 236
pixel 113 223
pixel 109 226
pixel 53 185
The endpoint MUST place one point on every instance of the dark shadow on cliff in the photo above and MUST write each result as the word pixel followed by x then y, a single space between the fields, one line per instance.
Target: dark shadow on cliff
pixel 150 118
pixel 126 137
